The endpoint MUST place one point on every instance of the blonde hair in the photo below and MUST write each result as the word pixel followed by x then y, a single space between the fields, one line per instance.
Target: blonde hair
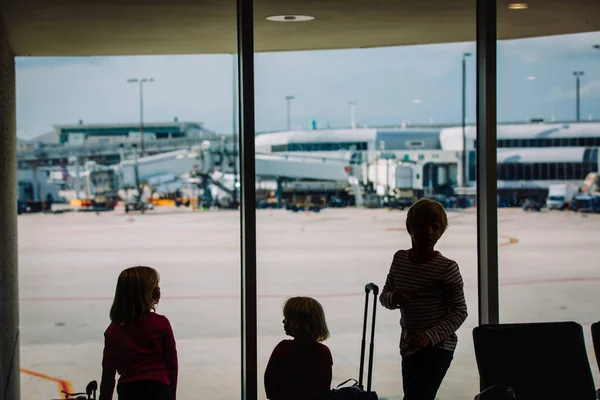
pixel 136 294
pixel 305 319
pixel 424 207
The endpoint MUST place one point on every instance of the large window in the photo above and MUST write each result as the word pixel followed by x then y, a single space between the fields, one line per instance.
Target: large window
pixel 553 142
pixel 69 260
pixel 318 146
pixel 545 171
pixel 313 240
pixel 547 263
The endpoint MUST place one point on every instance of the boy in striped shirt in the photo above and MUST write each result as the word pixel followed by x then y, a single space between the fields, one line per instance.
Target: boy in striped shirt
pixel 428 289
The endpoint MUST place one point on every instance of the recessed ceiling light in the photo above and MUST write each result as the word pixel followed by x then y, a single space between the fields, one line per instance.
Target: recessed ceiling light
pixel 518 6
pixel 290 18
pixel 530 78
pixel 416 101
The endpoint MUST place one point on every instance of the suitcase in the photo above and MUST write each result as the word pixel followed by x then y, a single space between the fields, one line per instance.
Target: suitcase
pixel 357 390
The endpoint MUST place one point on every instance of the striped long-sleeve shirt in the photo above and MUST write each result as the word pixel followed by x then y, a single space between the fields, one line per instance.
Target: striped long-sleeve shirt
pixel 437 301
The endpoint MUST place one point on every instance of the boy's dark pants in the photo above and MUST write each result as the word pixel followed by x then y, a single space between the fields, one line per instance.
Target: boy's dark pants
pixel 423 372
pixel 143 390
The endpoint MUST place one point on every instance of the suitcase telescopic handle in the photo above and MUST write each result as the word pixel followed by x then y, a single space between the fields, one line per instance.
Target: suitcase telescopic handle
pixel 371 287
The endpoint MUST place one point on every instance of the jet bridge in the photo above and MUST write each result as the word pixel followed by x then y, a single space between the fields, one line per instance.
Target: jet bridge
pixel 166 168
pixel 276 166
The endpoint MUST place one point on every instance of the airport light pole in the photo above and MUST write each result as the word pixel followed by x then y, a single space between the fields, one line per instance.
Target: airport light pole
pixel 464 118
pixel 289 114
pixel 136 173
pixel 597 47
pixel 141 81
pixel 578 75
pixel 353 114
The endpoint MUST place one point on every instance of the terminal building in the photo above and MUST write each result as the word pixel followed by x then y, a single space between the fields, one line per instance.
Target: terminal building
pixel 349 140
pixel 111 133
pixel 428 161
pixel 79 134
pixel 108 143
pixel 530 157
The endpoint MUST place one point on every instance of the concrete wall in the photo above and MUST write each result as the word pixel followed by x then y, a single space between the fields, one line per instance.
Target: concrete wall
pixel 9 305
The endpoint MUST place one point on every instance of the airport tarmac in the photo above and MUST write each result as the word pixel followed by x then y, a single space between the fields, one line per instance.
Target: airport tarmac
pixel 69 263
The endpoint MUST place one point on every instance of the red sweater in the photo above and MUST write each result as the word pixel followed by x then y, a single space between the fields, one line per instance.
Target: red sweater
pixel 143 351
pixel 298 371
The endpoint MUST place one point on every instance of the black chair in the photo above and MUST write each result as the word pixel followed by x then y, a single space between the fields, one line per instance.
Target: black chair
pixel 596 341
pixel 536 360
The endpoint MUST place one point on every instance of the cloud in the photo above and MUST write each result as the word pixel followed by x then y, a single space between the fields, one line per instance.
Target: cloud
pixel 590 90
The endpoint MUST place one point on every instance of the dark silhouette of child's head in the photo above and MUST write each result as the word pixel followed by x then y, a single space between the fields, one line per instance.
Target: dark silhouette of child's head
pixel 426 222
pixel 136 295
pixel 304 319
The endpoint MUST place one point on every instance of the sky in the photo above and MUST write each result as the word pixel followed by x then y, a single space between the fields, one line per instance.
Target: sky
pixel 392 85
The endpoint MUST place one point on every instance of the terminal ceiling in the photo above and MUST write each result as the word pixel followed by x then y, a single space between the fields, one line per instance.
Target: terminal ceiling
pixel 132 27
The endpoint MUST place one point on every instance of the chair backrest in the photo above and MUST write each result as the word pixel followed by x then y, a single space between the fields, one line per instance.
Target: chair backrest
pixel 538 360
pixel 596 341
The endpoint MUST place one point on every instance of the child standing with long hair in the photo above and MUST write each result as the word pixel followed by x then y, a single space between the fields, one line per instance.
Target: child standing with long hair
pixel 300 369
pixel 139 343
